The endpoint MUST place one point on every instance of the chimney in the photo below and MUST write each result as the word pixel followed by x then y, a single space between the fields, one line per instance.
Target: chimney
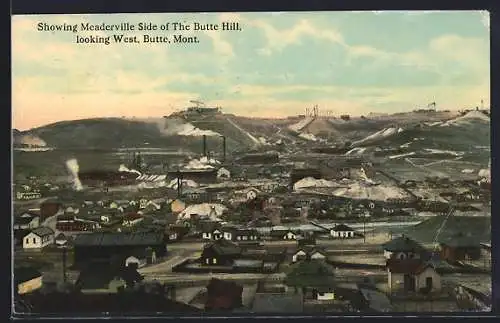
pixel 204 145
pixel 179 184
pixel 223 148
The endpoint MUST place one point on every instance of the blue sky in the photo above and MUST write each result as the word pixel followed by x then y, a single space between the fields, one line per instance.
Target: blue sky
pixel 278 65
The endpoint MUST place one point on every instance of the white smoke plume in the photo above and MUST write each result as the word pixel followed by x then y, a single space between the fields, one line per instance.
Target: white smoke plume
pixel 124 168
pixel 73 168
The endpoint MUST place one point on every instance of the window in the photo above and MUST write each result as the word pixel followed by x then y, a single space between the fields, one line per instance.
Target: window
pixel 245 237
pixel 34 240
pixel 215 261
pixel 207 261
pixel 238 238
pixel 27 240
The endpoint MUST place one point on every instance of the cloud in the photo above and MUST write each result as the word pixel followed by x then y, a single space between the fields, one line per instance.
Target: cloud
pixel 305 59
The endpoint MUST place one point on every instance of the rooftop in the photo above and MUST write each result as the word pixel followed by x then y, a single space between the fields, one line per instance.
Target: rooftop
pixel 119 239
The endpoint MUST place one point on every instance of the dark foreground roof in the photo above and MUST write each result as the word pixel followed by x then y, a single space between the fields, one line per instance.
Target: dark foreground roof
pixel 24 274
pixel 120 303
pixel 119 239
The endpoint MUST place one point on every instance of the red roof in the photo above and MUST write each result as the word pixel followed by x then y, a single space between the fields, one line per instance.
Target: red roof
pixel 406 266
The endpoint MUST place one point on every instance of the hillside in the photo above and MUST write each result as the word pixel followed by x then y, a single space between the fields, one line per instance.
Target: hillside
pixel 384 135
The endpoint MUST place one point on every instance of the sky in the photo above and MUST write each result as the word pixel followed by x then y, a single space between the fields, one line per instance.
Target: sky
pixel 278 65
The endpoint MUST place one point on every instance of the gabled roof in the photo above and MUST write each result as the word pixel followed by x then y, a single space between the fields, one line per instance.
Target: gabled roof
pixel 23 221
pixel 461 240
pixel 42 231
pixel 342 228
pixel 224 247
pixel 210 226
pixel 407 266
pixel 402 244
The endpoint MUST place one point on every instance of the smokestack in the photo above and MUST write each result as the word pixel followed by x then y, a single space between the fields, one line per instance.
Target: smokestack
pixel 204 145
pixel 224 148
pixel 64 263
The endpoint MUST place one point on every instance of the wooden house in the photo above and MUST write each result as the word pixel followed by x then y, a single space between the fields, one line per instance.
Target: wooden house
pixel 308 253
pixel 412 275
pixel 38 238
pixel 211 231
pixel 342 231
pixel 460 247
pixel 221 253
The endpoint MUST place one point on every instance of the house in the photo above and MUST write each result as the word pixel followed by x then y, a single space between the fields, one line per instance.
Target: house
pixel 221 253
pixel 77 225
pixel 211 231
pixel 27 221
pixel 284 234
pixel 342 231
pixel 38 238
pixel 223 174
pixel 132 219
pixel 27 280
pixel 460 247
pixel 61 239
pixel 223 295
pixel 308 253
pixel 403 248
pixel 412 275
pixel 245 236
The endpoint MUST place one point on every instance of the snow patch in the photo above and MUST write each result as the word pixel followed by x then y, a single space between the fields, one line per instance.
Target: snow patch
pixel 377 193
pixel 355 151
pixel 384 133
pixel 308 136
pixel 301 124
pixel 31 141
pixel 467 118
pixel 313 182
pixel 402 155
pixel 211 210
pixel 177 127
pixel 439 151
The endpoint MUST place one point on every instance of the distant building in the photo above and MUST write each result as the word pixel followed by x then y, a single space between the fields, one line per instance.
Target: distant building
pixel 308 253
pixel 342 231
pixel 27 221
pixel 403 248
